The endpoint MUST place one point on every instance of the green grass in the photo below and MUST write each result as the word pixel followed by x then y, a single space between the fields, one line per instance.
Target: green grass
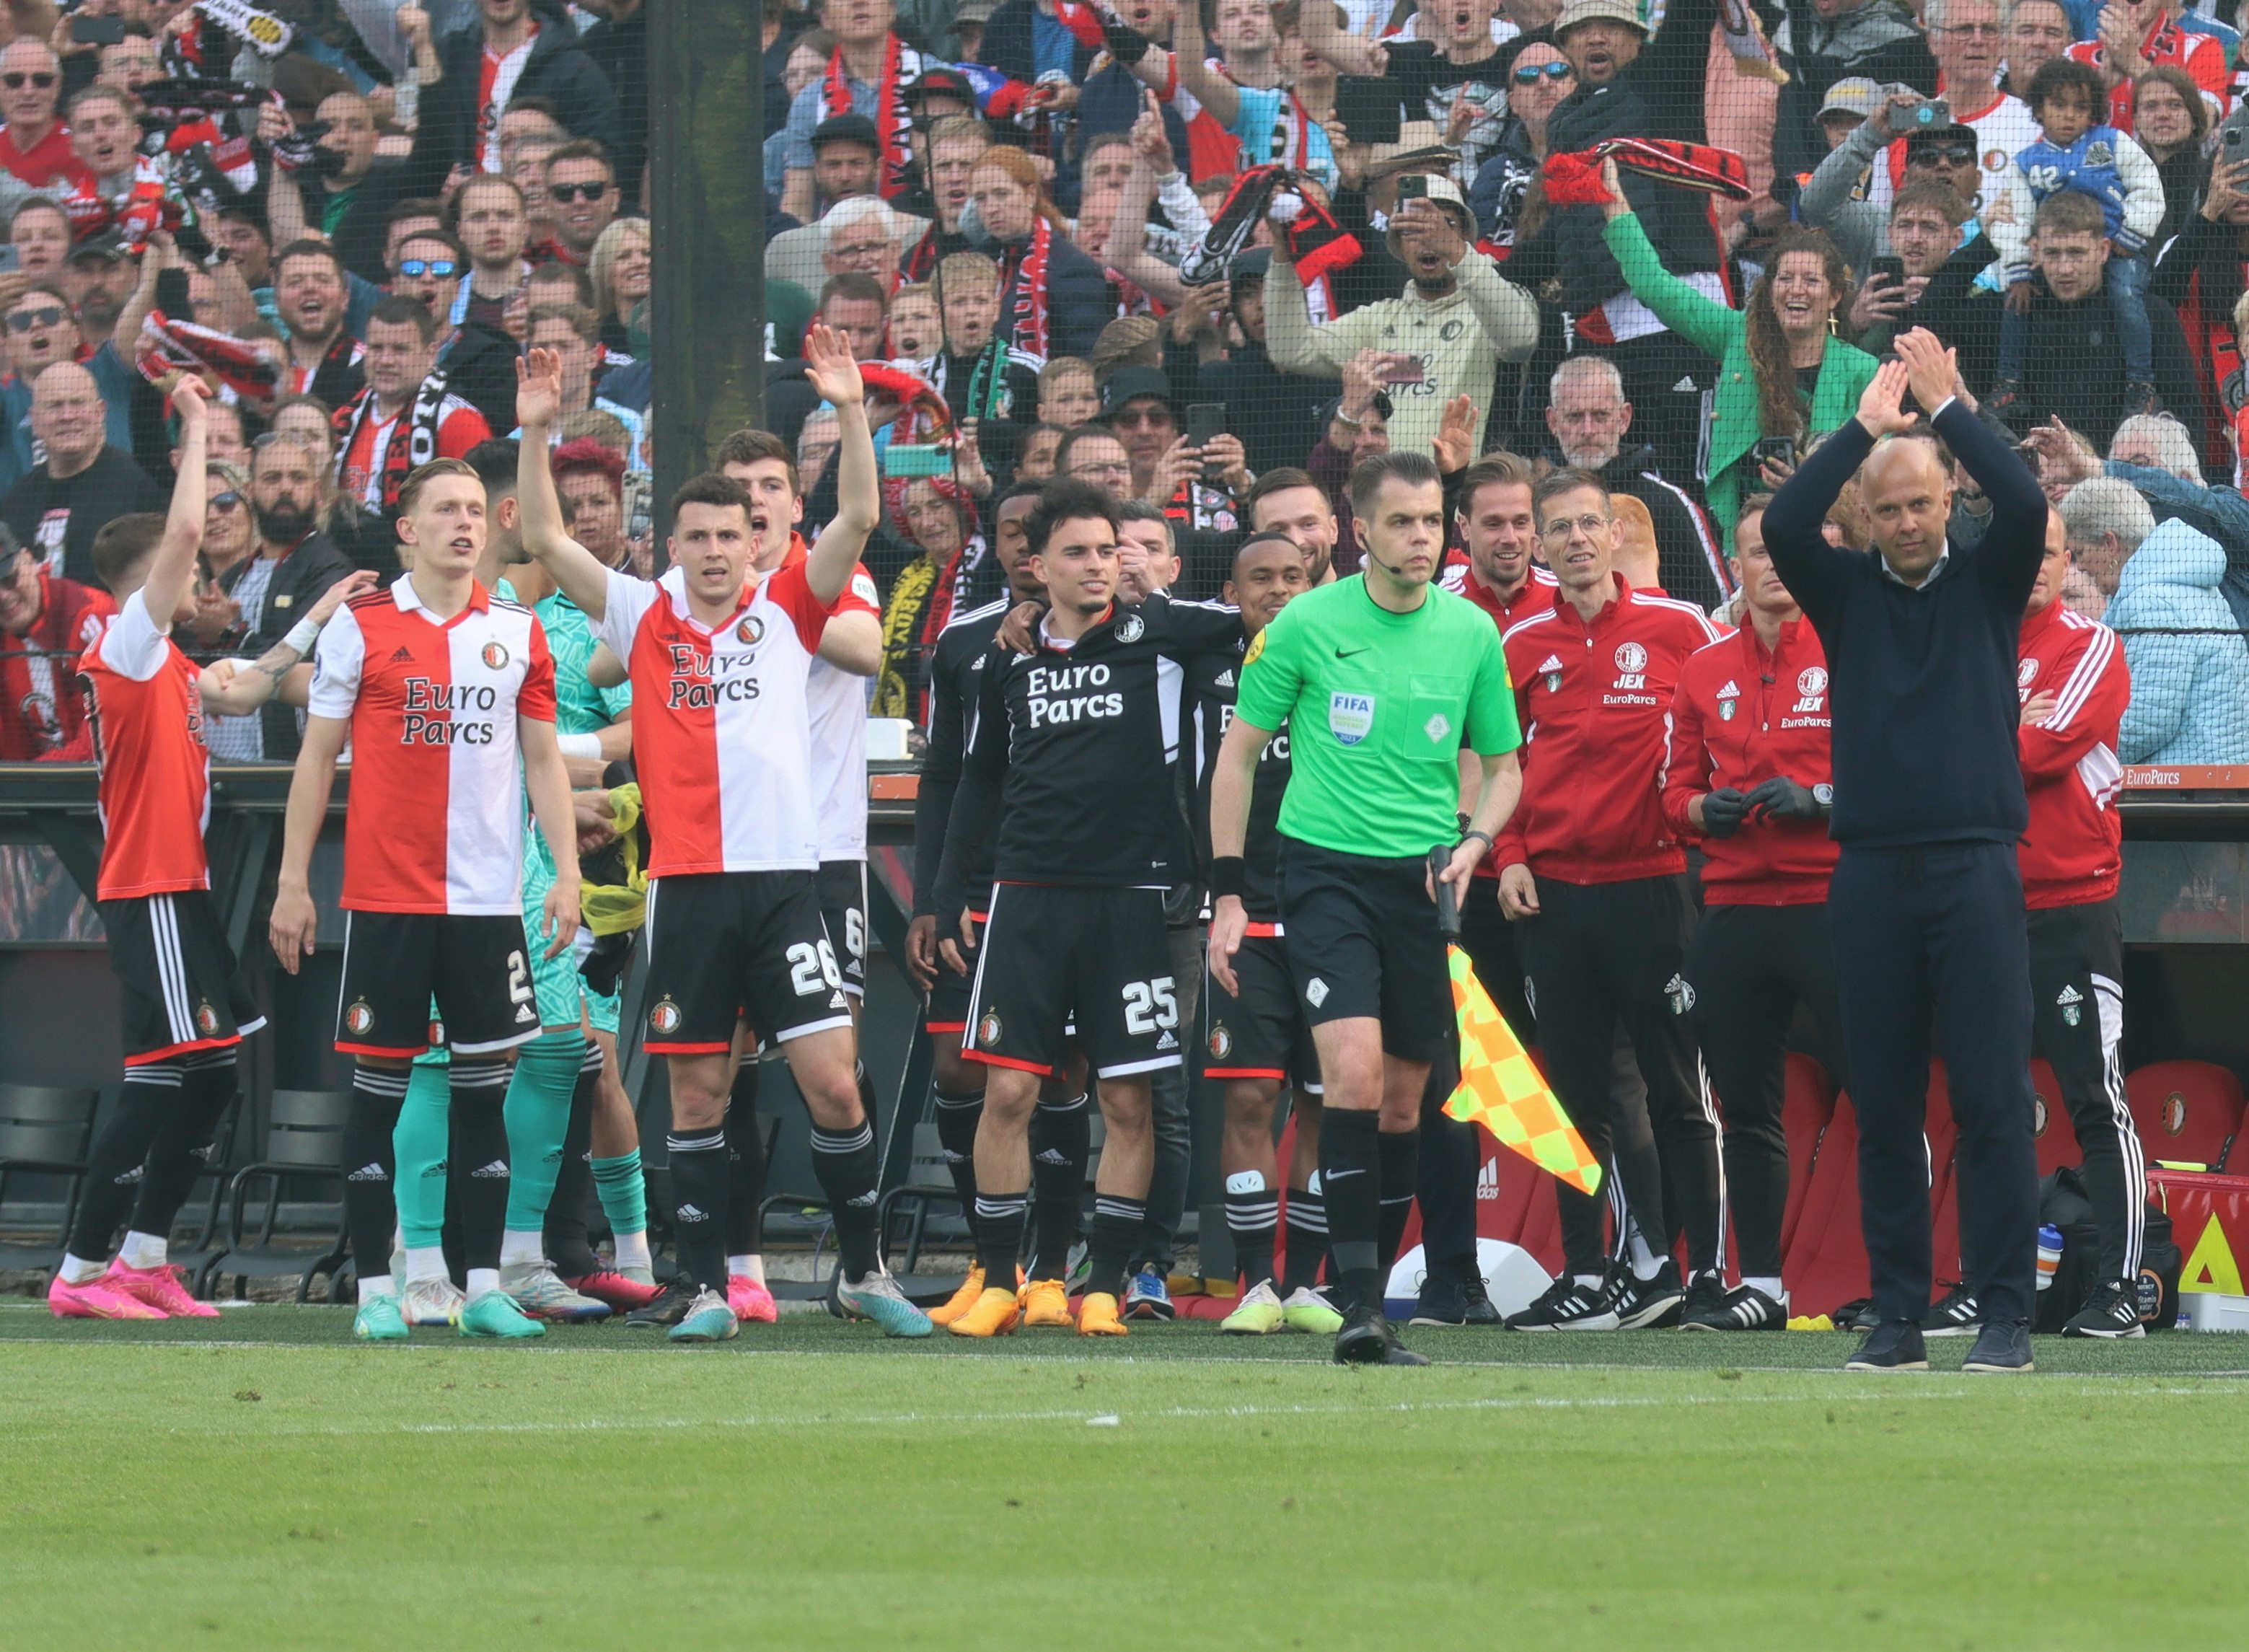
pixel 259 1483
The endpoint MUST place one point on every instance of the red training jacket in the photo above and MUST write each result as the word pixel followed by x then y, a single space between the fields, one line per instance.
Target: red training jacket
pixel 2072 852
pixel 1740 717
pixel 1595 702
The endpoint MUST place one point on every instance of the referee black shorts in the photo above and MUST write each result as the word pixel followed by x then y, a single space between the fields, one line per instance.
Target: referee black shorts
pixel 1362 940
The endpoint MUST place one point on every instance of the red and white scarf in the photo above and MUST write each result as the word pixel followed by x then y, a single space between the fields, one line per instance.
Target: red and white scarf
pixel 893 120
pixel 1023 292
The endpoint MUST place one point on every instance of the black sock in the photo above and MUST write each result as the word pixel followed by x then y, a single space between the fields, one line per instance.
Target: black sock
pixel 1401 1168
pixel 117 1165
pixel 849 1167
pixel 957 1118
pixel 699 1212
pixel 1251 1215
pixel 564 1237
pixel 1351 1176
pixel 184 1140
pixel 745 1165
pixel 1115 1226
pixel 1000 1236
pixel 1307 1241
pixel 1061 1140
pixel 480 1121
pixel 369 1164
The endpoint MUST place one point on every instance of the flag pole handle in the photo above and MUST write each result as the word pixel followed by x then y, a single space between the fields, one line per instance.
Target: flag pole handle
pixel 1449 905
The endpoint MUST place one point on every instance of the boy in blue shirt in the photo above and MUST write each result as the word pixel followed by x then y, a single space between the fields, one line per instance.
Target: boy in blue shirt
pixel 2076 151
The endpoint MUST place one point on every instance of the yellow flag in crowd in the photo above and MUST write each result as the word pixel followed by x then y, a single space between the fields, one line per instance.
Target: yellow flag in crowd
pixel 1502 1091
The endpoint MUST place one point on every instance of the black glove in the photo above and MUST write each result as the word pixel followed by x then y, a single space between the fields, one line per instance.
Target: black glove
pixel 1723 811
pixel 1127 45
pixel 1781 798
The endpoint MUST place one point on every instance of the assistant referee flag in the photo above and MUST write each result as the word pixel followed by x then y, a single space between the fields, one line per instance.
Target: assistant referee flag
pixel 1378 706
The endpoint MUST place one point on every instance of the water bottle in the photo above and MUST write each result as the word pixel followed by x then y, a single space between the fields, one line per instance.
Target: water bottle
pixel 2049 1254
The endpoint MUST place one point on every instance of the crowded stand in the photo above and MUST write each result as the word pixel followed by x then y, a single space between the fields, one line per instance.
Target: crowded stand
pixel 1097 339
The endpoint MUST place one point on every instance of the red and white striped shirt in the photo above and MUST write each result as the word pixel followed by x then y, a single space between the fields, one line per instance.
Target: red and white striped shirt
pixel 721 725
pixel 836 703
pixel 2074 849
pixel 435 821
pixel 147 713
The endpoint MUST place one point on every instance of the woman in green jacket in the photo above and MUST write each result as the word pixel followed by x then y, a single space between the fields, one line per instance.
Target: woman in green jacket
pixel 1782 375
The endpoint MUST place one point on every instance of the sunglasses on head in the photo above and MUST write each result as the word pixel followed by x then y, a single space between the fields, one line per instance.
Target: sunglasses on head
pixel 565 193
pixel 16 79
pixel 32 321
pixel 437 269
pixel 1527 74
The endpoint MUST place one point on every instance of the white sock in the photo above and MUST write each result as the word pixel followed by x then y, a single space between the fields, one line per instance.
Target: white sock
pixel 1591 1281
pixel 481 1280
pixel 522 1250
pixel 425 1262
pixel 1645 1261
pixel 632 1250
pixel 77 1270
pixel 1770 1283
pixel 144 1250
pixel 380 1284
pixel 750 1268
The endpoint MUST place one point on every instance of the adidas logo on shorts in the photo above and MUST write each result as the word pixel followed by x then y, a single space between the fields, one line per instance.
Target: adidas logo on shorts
pixel 1167 1042
pixel 524 1012
pixel 496 1171
pixel 368 1172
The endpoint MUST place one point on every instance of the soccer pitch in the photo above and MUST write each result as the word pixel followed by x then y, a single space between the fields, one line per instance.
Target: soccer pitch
pixel 259 1482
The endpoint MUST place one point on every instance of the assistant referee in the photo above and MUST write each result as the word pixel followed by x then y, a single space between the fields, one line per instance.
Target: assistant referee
pixel 1381 679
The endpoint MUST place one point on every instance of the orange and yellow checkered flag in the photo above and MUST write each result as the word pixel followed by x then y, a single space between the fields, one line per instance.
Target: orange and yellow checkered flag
pixel 1501 1090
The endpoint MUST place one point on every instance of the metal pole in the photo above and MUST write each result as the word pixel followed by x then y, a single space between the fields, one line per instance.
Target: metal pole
pixel 706 83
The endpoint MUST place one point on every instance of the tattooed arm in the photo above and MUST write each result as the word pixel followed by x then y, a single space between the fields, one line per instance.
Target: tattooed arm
pixel 236 688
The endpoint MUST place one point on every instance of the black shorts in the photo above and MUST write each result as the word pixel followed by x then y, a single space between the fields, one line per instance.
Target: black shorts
pixel 728 947
pixel 1261 1034
pixel 1099 955
pixel 178 989
pixel 948 993
pixel 1362 940
pixel 843 890
pixel 478 968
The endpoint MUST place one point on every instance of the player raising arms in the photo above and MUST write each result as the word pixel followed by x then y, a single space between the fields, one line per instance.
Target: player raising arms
pixel 176 972
pixel 442 689
pixel 719 660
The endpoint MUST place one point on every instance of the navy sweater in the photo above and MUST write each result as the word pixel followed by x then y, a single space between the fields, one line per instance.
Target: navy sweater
pixel 1923 679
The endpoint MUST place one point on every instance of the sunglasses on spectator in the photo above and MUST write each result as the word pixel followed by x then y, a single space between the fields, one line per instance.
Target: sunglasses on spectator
pixel 228 501
pixel 1527 74
pixel 563 194
pixel 32 321
pixel 1958 155
pixel 437 269
pixel 16 80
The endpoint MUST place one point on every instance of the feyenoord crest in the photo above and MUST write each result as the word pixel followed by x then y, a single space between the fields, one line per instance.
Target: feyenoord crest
pixel 2174 1113
pixel 2038 1114
pixel 359 1020
pixel 1726 708
pixel 2071 1005
pixel 1631 657
pixel 751 630
pixel 2026 673
pixel 1678 989
pixel 1552 668
pixel 1221 1043
pixel 495 656
pixel 1813 679
pixel 664 1018
pixel 206 1020
pixel 988 1029
pixel 1129 628
pixel 437 1034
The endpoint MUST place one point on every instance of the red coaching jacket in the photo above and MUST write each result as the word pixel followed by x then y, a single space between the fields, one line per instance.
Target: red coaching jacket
pixel 1740 717
pixel 2071 854
pixel 1594 703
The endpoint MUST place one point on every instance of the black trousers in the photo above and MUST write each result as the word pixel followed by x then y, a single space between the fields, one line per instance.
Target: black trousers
pixel 1931 940
pixel 2077 997
pixel 1595 955
pixel 1749 967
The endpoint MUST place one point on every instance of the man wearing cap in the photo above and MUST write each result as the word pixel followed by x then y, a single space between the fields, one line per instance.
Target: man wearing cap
pixel 1457 313
pixel 1964 38
pixel 1199 490
pixel 1630 87
pixel 1876 40
pixel 846 160
pixel 867 75
pixel 1836 198
pixel 970 19
pixel 97 280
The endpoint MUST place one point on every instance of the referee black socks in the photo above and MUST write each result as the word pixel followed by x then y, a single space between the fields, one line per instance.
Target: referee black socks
pixel 1401 1167
pixel 1307 1241
pixel 1351 1176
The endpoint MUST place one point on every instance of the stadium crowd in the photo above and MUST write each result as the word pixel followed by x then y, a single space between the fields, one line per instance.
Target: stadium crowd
pixel 1231 279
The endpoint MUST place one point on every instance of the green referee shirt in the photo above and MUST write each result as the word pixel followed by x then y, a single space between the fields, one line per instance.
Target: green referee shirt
pixel 1378 706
